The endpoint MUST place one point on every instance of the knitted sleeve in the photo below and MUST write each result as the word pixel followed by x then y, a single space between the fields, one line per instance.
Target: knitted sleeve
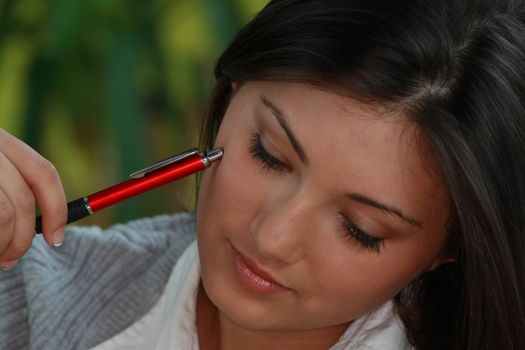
pixel 93 286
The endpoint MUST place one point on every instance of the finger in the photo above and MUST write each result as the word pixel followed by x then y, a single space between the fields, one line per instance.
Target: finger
pixel 20 197
pixel 42 177
pixel 7 221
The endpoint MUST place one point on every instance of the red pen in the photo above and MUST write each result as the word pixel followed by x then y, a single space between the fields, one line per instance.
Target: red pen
pixel 151 177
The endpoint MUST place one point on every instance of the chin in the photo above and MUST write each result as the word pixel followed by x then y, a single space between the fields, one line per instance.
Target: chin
pixel 239 309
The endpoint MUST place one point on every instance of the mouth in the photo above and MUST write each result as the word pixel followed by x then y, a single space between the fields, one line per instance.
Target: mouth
pixel 253 277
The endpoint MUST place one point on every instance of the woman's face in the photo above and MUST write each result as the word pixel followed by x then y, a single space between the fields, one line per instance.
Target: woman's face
pixel 321 209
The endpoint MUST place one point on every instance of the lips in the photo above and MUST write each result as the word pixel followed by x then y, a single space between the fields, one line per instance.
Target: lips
pixel 252 277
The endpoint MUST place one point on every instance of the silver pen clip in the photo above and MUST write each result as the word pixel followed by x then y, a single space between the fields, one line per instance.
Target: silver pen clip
pixel 140 173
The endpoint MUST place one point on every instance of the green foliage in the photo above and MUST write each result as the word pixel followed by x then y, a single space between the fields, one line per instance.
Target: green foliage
pixel 104 87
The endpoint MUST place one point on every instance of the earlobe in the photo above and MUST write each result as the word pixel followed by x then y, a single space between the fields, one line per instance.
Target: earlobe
pixel 439 261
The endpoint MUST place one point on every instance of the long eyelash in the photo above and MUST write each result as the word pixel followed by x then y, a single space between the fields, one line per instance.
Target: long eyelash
pixel 358 236
pixel 260 153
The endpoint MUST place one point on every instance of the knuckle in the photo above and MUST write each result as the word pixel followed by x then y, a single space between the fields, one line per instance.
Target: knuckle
pixel 26 201
pixel 47 170
pixel 7 212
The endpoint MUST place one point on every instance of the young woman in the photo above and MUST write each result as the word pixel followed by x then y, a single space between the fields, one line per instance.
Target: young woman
pixel 370 196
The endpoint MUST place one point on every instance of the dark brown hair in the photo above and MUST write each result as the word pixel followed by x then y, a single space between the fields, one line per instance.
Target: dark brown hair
pixel 458 68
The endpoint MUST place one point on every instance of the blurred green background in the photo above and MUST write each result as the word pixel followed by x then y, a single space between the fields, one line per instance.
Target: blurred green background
pixel 102 88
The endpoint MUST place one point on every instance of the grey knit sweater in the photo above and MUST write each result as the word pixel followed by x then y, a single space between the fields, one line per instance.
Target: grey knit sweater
pixel 92 287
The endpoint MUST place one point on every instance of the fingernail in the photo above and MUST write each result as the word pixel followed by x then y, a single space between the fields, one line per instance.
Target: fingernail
pixel 58 237
pixel 8 265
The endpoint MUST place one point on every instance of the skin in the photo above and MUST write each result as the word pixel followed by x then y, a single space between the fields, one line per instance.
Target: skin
pixel 27 179
pixel 290 223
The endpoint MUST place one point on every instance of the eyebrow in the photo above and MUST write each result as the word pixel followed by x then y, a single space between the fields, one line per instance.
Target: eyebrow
pixel 281 119
pixel 390 210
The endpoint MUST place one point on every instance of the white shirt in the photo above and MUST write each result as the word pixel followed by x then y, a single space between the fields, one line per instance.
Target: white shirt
pixel 170 324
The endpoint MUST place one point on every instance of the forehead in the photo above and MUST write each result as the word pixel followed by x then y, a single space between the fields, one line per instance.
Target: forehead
pixel 340 121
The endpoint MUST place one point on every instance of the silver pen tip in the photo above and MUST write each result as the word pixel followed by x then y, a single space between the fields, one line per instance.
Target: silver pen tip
pixel 214 154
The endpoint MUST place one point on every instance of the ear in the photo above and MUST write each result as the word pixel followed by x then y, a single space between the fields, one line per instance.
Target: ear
pixel 235 86
pixel 439 261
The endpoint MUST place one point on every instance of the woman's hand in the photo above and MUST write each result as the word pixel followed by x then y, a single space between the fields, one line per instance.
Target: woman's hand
pixel 25 176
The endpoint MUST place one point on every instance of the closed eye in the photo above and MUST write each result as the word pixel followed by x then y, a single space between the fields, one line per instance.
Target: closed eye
pixel 267 160
pixel 360 237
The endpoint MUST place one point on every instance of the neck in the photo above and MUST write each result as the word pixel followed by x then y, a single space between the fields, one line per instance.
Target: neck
pixel 216 331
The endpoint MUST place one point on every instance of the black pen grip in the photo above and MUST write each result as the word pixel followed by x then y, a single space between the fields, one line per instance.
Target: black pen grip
pixel 76 210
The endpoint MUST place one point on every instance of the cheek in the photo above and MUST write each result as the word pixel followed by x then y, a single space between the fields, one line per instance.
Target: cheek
pixel 232 191
pixel 357 282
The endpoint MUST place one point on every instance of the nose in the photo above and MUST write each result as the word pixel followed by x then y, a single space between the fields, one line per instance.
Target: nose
pixel 281 232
